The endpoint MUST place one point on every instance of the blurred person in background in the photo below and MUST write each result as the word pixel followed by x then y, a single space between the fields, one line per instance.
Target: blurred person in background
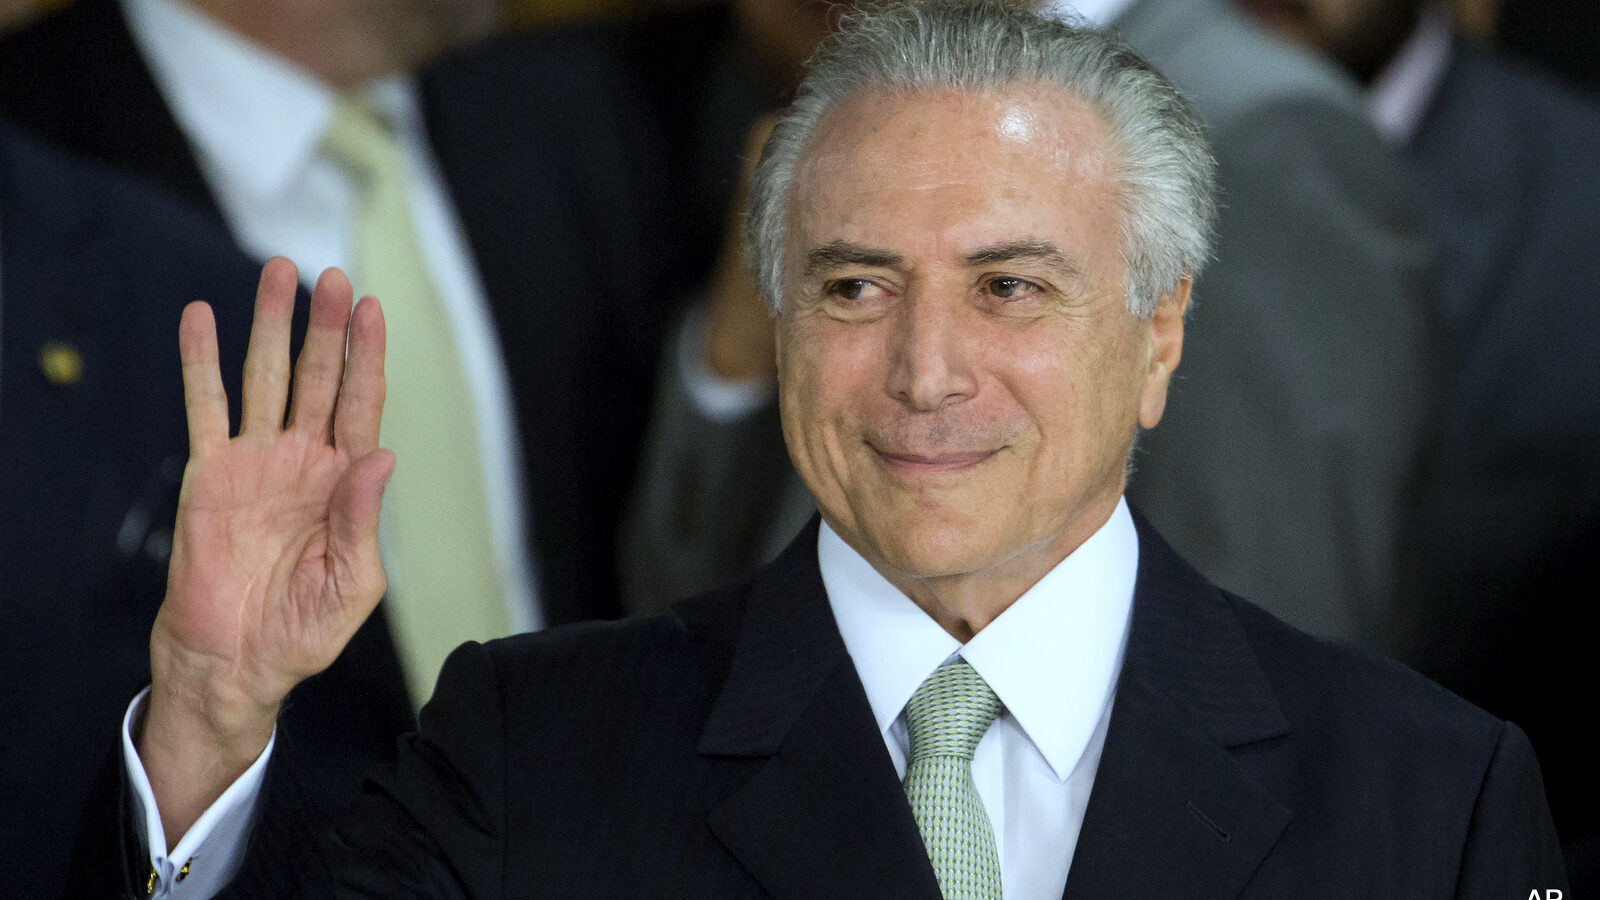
pixel 15 13
pixel 1312 369
pixel 497 199
pixel 717 495
pixel 1509 526
pixel 94 270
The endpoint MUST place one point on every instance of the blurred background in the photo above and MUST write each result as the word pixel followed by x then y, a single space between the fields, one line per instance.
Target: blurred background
pixel 1557 35
pixel 1403 366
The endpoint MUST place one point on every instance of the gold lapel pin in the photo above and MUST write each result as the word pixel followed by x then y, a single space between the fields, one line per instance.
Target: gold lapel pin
pixel 61 363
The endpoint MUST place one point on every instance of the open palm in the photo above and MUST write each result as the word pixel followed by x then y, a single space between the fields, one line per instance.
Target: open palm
pixel 275 552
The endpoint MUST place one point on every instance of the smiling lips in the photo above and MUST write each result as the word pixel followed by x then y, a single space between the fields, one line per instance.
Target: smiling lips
pixel 932 464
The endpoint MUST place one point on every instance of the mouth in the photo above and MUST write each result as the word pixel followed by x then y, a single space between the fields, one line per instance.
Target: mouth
pixel 913 464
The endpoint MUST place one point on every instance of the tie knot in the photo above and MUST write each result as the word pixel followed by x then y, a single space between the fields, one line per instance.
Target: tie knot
pixel 360 138
pixel 950 712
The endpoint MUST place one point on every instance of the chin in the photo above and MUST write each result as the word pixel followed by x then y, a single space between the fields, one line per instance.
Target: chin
pixel 939 546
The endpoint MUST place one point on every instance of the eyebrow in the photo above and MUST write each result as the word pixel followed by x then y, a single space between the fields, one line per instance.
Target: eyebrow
pixel 841 253
pixel 1039 251
pixel 838 254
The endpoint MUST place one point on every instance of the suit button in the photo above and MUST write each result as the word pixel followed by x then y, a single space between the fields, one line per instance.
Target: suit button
pixel 61 363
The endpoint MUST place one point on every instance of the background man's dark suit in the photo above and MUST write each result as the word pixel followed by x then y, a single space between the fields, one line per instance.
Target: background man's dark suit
pixel 1511 526
pixel 100 266
pixel 728 750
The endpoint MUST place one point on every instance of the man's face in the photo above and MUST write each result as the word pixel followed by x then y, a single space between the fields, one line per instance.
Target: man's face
pixel 959 377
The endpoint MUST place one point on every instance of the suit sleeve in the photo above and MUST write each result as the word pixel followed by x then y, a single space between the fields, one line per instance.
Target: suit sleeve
pixel 1311 368
pixel 1511 849
pixel 429 825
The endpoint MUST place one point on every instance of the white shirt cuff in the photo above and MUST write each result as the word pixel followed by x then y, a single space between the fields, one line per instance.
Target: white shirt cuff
pixel 718 399
pixel 209 855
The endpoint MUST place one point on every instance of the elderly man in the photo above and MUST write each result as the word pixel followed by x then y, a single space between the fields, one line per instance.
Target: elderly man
pixel 979 675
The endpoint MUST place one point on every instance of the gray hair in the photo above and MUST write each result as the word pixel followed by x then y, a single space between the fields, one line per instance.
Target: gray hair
pixel 1165 170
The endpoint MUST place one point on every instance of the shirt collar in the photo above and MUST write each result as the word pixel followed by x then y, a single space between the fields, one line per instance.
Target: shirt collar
pixel 1400 95
pixel 1099 13
pixel 1052 657
pixel 256 120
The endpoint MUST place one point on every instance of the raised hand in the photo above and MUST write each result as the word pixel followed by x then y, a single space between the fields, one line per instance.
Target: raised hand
pixel 275 551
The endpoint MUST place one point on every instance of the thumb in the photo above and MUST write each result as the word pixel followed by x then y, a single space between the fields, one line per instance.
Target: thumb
pixel 353 521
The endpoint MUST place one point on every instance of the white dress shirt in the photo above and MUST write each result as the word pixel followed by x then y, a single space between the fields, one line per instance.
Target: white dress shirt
pixel 1052 658
pixel 211 851
pixel 256 123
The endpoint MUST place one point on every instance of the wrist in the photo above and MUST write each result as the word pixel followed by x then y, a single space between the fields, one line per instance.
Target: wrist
pixel 198 712
pixel 191 754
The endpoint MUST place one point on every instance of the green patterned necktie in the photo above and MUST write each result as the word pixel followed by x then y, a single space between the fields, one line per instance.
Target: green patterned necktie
pixel 946 717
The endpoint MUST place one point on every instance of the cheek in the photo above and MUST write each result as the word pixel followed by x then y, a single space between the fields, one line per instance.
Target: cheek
pixel 827 368
pixel 1077 392
pixel 827 364
pixel 1037 373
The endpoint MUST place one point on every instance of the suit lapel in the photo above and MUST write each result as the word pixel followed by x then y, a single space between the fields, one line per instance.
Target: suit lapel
pixel 824 815
pixel 1174 813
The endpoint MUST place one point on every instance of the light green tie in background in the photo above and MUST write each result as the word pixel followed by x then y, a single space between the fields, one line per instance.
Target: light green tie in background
pixel 946 718
pixel 439 550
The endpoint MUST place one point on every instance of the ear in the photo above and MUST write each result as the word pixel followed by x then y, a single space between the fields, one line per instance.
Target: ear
pixel 1165 349
pixel 781 337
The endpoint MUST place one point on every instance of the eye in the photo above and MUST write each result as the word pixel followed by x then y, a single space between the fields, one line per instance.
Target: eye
pixel 1007 287
pixel 853 289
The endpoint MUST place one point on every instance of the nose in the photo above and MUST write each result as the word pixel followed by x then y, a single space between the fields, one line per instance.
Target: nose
pixel 931 352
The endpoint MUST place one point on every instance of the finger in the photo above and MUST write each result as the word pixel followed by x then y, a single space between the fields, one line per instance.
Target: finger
pixel 360 411
pixel 266 362
pixel 353 529
pixel 204 399
pixel 321 365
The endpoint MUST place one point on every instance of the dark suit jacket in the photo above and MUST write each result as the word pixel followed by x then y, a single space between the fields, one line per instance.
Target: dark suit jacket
pixel 1510 530
pixel 727 749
